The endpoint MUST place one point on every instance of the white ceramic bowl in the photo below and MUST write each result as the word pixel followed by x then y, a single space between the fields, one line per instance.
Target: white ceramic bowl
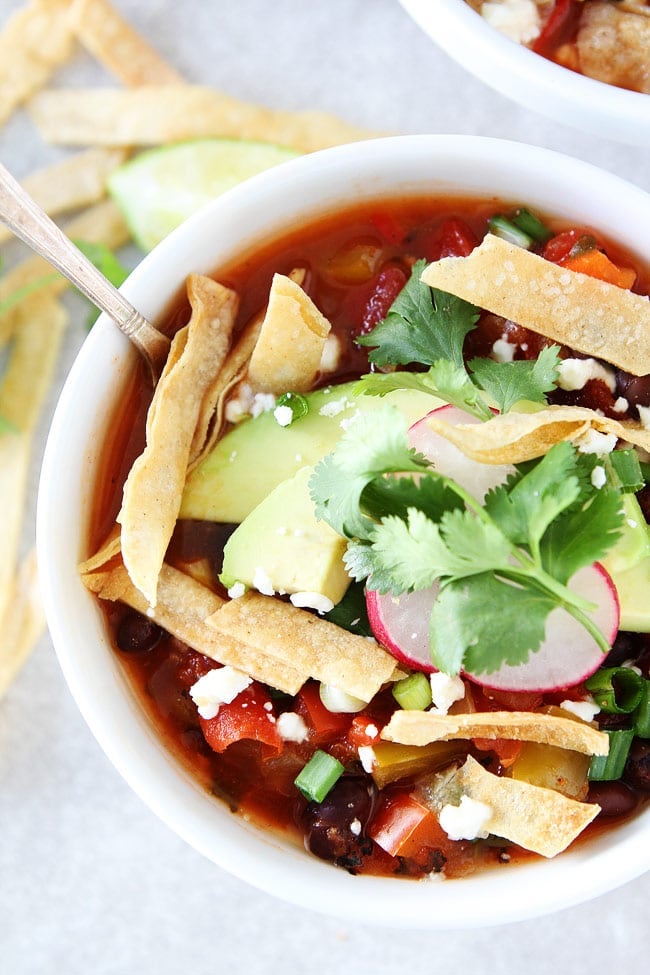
pixel 258 209
pixel 529 79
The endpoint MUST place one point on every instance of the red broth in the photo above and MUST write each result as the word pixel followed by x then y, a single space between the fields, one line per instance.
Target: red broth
pixel 256 777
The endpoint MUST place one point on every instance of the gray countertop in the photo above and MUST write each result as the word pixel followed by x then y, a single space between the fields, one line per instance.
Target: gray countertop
pixel 90 880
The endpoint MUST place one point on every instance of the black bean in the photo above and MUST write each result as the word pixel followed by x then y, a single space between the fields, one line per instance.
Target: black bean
pixel 614 798
pixel 335 829
pixel 137 633
pixel 627 646
pixel 635 389
pixel 637 767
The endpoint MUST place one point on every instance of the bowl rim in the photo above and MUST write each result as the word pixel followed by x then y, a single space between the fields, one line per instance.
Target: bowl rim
pixel 92 671
pixel 529 79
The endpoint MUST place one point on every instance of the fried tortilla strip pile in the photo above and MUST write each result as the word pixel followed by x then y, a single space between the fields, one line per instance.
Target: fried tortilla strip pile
pixel 511 438
pixel 114 43
pixel 292 337
pixel 154 487
pixel 24 624
pixel 589 315
pixel 537 819
pixel 423 727
pixel 34 42
pixel 156 114
pixel 312 645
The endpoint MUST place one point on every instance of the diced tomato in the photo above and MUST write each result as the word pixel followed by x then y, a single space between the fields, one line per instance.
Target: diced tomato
pixel 454 238
pixel 363 731
pixel 560 246
pixel 390 229
pixel 403 826
pixel 390 281
pixel 324 725
pixel 249 716
pixel 507 750
pixel 558 28
pixel 489 700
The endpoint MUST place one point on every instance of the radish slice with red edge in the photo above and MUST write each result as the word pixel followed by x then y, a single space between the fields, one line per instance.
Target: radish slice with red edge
pixel 401 624
pixel 447 459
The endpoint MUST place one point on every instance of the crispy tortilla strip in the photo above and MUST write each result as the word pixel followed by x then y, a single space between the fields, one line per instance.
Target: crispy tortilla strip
pixel 211 418
pixel 101 224
pixel 34 42
pixel 119 47
pixel 423 727
pixel 153 490
pixel 511 438
pixel 312 645
pixel 111 547
pixel 75 182
pixel 574 309
pixel 537 819
pixel 156 114
pixel 23 623
pixel 291 341
pixel 182 609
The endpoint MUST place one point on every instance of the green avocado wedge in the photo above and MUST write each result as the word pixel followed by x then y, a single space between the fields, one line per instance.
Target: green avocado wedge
pixel 158 189
pixel 258 454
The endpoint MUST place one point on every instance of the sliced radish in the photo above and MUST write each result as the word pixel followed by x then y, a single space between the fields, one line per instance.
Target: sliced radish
pixel 568 654
pixel 401 624
pixel 447 459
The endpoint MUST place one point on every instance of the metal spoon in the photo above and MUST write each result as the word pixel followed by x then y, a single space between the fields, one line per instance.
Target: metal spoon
pixel 26 220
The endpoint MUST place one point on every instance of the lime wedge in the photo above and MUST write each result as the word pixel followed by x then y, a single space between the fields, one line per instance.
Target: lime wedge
pixel 158 189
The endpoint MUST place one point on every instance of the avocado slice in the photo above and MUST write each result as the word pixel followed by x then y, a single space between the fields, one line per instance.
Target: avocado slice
pixel 282 539
pixel 259 454
pixel 633 588
pixel 634 543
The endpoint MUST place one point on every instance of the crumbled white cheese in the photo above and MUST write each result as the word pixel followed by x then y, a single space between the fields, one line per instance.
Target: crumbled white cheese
pixel 466 821
pixel 312 600
pixel 367 757
pixel 217 687
pixel 445 691
pixel 283 415
pixel 586 710
pixel 517 19
pixel 355 827
pixel 239 405
pixel 644 416
pixel 347 422
pixel 334 407
pixel 331 354
pixel 621 405
pixel 575 374
pixel 372 730
pixel 503 351
pixel 598 476
pixel 291 727
pixel 237 590
pixel 262 582
pixel 262 403
pixel 594 442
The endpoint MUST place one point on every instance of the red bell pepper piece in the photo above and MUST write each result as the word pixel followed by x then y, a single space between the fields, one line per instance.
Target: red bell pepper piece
pixel 249 716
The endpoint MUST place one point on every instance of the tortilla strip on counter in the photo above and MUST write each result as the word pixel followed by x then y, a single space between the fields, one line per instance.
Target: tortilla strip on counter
pixel 320 649
pixel 23 622
pixel 423 727
pixel 589 315
pixel 290 345
pixel 510 438
pixel 154 487
pixel 537 819
pixel 182 609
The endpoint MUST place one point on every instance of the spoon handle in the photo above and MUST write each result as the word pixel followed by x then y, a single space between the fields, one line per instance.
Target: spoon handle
pixel 28 222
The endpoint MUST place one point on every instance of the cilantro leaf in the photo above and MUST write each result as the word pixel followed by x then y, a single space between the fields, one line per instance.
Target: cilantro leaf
pixel 422 325
pixel 395 495
pixel 484 621
pixel 509 382
pixel 582 535
pixel 443 379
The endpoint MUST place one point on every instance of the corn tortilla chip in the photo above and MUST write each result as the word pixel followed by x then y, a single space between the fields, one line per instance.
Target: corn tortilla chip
pixel 423 727
pixel 23 622
pixel 592 316
pixel 156 114
pixel 34 42
pixel 109 38
pixel 312 645
pixel 511 438
pixel 535 818
pixel 154 487
pixel 182 608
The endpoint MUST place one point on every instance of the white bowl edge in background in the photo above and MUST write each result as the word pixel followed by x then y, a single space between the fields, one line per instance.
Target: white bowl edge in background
pixel 265 205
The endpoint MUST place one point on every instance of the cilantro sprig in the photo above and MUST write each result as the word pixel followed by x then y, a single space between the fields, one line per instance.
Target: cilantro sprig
pixel 427 326
pixel 502 566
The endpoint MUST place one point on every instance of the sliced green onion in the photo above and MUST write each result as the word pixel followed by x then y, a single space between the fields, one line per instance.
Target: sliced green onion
pixel 628 470
pixel 582 245
pixel 500 226
pixel 531 225
pixel 413 693
pixel 297 404
pixel 318 776
pixel 645 471
pixel 607 768
pixel 616 690
pixel 340 702
pixel 642 714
